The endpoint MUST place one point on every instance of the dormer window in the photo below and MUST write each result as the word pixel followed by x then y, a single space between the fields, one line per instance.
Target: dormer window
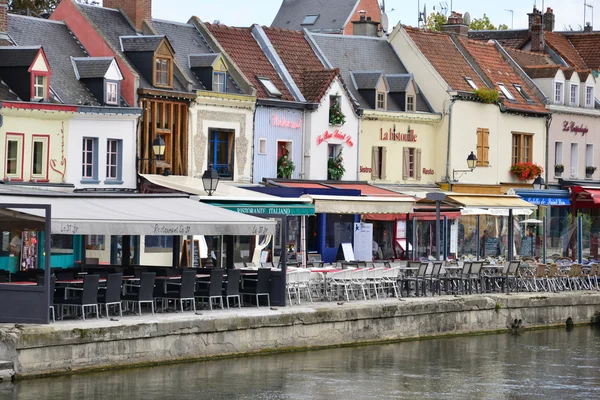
pixel 471 83
pixel 380 101
pixel 589 96
pixel 574 98
pixel 505 92
pixel 39 87
pixel 522 92
pixel 112 93
pixel 219 82
pixel 269 87
pixel 162 69
pixel 410 103
pixel 310 20
pixel 558 92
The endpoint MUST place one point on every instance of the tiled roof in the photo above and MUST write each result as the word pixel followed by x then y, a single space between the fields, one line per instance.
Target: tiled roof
pixel 511 38
pixel 92 67
pixel 11 56
pixel 541 71
pixel 398 82
pixel 332 18
pixel 243 49
pixel 568 72
pixel 366 189
pixel 583 75
pixel 559 43
pixel 140 43
pixel 525 58
pixel 587 46
pixel 445 57
pixel 299 59
pixel 498 70
pixel 59 45
pixel 366 79
pixel 314 84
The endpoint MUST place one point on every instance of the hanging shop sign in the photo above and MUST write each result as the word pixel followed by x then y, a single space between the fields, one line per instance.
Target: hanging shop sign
pixel 281 122
pixel 394 136
pixel 571 126
pixel 335 135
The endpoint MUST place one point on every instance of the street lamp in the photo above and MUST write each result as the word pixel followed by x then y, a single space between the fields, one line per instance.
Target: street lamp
pixel 158 147
pixel 538 183
pixel 471 163
pixel 210 180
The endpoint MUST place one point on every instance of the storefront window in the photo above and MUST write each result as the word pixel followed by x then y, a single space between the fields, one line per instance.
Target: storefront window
pixel 62 244
pixel 95 242
pixel 158 242
pixel 383 236
pixel 339 230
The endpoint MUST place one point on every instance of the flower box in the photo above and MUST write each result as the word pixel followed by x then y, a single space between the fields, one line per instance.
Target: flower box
pixel 526 171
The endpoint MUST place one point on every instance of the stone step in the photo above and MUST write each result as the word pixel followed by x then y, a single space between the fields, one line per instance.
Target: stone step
pixel 6 365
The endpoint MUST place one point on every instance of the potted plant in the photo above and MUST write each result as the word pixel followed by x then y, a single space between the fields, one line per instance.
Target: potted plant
pixel 589 171
pixel 336 116
pixel 526 171
pixel 335 167
pixel 488 96
pixel 285 166
pixel 559 169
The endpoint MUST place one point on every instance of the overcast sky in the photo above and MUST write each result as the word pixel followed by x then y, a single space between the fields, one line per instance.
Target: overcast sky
pixel 246 12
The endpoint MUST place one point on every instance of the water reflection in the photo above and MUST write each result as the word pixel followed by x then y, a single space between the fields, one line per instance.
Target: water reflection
pixel 552 364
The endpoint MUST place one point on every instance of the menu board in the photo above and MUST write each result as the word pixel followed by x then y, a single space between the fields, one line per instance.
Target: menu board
pixel 363 242
pixel 348 252
pixel 185 254
pixel 491 247
pixel 29 250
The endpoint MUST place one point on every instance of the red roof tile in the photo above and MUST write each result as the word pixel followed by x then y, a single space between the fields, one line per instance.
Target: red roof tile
pixel 498 70
pixel 587 46
pixel 559 43
pixel 367 190
pixel 240 45
pixel 541 71
pixel 445 57
pixel 525 58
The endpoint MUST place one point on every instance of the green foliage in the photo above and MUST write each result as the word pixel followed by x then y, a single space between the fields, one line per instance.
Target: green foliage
pixel 336 116
pixel 335 167
pixel 34 6
pixel 487 95
pixel 435 20
pixel 285 166
pixel 484 24
pixel 590 170
pixel 559 168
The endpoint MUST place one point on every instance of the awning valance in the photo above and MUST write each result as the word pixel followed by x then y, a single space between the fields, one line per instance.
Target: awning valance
pixel 547 201
pixel 272 209
pixel 361 205
pixel 499 205
pixel 93 214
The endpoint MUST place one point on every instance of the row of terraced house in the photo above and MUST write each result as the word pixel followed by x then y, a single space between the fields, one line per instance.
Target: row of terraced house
pixel 322 100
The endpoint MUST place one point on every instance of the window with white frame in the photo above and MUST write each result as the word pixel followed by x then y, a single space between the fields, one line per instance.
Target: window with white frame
pixel 589 155
pixel 113 159
pixel 558 153
pixel 14 156
pixel 589 96
pixel 410 103
pixel 112 94
pixel 219 82
pixel 88 161
pixel 558 92
pixel 39 159
pixel 39 87
pixel 574 98
pixel 262 146
pixel 505 92
pixel 574 170
pixel 522 92
pixel 471 83
pixel 380 101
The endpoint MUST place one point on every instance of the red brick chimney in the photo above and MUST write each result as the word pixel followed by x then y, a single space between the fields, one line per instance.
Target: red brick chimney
pixel 137 11
pixel 536 32
pixel 3 16
pixel 549 20
pixel 456 25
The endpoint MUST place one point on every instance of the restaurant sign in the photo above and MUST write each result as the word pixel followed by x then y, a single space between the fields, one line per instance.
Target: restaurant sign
pixel 281 122
pixel 335 135
pixel 397 136
pixel 571 126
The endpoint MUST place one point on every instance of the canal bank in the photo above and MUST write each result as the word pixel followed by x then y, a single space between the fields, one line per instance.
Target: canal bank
pixel 77 346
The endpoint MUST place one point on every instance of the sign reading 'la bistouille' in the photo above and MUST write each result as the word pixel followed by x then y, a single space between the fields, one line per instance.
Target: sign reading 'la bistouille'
pixel 397 136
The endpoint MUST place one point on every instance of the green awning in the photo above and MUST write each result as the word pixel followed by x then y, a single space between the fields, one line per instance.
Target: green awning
pixel 288 209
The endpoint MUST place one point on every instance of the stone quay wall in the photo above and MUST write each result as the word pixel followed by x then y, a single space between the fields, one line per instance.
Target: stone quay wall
pixel 77 346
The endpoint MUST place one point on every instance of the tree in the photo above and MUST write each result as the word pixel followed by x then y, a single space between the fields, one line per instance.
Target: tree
pixel 435 20
pixel 39 7
pixel 484 24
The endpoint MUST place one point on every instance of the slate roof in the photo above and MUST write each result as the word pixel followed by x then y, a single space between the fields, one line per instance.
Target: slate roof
pixel 332 17
pixel 511 38
pixel 398 82
pixel 239 44
pixel 59 45
pixel 498 70
pixel 202 60
pixel 6 93
pixel 140 43
pixel 587 46
pixel 92 67
pixel 11 56
pixel 360 53
pixel 366 79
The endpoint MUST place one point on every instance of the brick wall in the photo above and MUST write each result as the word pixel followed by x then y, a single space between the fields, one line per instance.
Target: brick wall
pixel 3 16
pixel 372 10
pixel 136 10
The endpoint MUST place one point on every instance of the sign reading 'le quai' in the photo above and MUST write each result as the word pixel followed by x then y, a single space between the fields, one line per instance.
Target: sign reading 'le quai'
pixel 571 126
pixel 397 136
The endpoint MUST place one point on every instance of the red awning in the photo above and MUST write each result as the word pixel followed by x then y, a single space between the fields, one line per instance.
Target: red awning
pixel 367 190
pixel 420 216
pixel 594 194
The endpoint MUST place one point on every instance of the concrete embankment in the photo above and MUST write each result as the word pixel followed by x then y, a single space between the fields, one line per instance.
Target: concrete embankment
pixel 72 346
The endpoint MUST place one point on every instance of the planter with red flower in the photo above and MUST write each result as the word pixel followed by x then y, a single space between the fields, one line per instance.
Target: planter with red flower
pixel 526 171
pixel 285 166
pixel 335 167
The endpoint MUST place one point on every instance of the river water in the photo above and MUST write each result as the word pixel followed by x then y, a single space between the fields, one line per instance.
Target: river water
pixel 551 364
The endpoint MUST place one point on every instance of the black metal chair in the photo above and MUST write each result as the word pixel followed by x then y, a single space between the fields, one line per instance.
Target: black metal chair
pixel 214 289
pixel 89 297
pixel 232 287
pixel 185 292
pixel 145 292
pixel 262 287
pixel 112 293
pixel 40 282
